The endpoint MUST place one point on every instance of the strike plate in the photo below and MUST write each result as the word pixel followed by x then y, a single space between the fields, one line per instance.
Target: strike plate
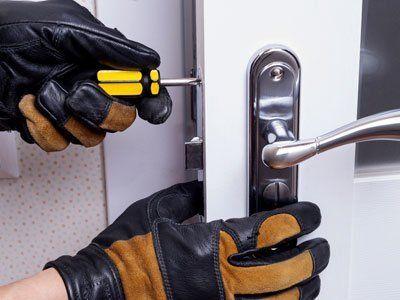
pixel 273 104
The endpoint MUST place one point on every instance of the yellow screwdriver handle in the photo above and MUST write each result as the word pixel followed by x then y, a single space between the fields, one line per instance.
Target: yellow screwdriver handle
pixel 134 83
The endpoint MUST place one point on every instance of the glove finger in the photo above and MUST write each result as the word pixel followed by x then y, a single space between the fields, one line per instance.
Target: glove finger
pixel 155 110
pixel 52 103
pixel 179 202
pixel 257 273
pixel 267 229
pixel 89 103
pixel 306 291
pixel 310 290
pixel 43 132
pixel 106 46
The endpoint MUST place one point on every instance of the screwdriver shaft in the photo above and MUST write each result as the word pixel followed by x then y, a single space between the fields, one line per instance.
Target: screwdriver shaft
pixel 191 81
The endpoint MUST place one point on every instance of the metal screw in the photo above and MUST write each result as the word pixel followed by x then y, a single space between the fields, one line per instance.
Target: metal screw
pixel 276 191
pixel 277 73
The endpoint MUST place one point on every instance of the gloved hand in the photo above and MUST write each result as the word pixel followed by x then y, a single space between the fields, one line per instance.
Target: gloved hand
pixel 50 52
pixel 148 254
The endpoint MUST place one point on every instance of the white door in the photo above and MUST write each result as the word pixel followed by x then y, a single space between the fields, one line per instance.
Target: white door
pixel 146 158
pixel 359 205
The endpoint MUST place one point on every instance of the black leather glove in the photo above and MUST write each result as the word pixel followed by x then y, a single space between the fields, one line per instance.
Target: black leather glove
pixel 50 52
pixel 148 254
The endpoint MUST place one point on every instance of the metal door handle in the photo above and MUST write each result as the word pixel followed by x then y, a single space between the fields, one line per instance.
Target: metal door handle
pixel 382 126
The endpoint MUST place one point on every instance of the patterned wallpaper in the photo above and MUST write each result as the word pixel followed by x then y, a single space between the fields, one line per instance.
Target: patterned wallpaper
pixel 56 206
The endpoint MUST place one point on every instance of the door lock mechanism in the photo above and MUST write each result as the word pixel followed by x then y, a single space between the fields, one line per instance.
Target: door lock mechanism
pixel 274 147
pixel 273 95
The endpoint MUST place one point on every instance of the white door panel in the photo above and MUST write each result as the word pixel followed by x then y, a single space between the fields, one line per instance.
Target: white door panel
pixel 325 35
pixel 375 241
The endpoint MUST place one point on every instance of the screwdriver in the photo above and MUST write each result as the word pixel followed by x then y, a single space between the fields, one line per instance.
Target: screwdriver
pixel 138 83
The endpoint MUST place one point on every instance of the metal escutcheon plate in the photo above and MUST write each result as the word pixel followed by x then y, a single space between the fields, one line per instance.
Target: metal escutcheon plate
pixel 273 104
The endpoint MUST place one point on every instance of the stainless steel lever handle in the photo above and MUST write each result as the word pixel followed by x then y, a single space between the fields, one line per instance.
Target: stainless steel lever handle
pixel 382 126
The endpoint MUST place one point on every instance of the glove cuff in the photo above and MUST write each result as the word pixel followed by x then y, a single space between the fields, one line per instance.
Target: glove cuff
pixel 89 275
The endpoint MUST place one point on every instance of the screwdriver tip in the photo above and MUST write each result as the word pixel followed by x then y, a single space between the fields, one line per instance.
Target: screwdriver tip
pixel 191 81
